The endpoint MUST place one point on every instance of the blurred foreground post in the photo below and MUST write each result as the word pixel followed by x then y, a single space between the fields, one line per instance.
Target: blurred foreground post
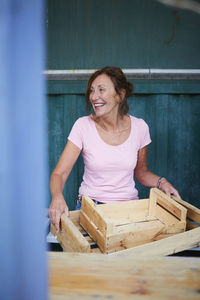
pixel 22 151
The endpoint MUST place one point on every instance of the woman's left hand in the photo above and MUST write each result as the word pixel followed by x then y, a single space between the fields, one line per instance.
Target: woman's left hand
pixel 168 189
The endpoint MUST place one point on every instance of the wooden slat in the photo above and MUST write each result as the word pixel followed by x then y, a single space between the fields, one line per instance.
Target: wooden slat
pixel 135 226
pixel 93 231
pixel 70 238
pixel 125 210
pixel 74 216
pixel 167 246
pixel 96 216
pixel 170 207
pixel 192 212
pixel 134 219
pixel 164 216
pixel 172 224
pixel 152 203
pixel 93 276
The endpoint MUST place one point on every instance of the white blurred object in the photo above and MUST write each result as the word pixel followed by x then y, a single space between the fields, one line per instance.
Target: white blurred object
pixel 184 4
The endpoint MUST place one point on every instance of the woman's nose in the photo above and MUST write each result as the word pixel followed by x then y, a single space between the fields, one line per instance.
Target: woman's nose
pixel 94 95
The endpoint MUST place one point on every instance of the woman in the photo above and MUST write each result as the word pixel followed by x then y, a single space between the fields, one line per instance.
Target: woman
pixel 113 145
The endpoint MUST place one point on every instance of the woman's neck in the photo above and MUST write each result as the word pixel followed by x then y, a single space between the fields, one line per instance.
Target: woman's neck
pixel 114 124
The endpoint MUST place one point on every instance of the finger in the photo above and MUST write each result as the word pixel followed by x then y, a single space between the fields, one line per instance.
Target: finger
pixel 57 225
pixel 50 213
pixel 176 194
pixel 167 192
pixel 57 221
pixel 66 211
pixel 51 216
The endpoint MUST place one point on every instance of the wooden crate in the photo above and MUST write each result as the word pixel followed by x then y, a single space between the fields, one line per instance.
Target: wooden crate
pixel 122 225
pixel 73 238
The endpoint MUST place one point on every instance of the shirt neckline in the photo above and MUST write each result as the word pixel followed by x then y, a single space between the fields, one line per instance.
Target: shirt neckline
pixel 98 136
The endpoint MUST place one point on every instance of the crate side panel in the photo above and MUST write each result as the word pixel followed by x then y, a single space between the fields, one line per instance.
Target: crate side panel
pixel 96 216
pixel 92 230
pixel 141 233
pixel 120 212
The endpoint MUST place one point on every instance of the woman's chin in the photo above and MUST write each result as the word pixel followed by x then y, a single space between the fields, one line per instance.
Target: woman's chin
pixel 99 113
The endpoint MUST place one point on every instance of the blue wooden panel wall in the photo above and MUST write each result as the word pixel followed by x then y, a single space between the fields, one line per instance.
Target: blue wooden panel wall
pixel 130 34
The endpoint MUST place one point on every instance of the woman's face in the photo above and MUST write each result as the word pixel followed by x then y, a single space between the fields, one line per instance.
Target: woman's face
pixel 103 96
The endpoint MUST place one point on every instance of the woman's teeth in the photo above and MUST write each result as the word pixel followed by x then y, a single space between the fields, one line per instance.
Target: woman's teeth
pixel 99 104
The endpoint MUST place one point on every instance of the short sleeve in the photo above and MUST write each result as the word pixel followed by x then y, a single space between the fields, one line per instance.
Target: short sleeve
pixel 75 135
pixel 145 138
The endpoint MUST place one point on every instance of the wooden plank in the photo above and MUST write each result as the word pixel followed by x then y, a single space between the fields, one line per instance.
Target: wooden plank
pixel 174 244
pixel 96 216
pixel 165 216
pixel 93 276
pixel 133 234
pixel 134 219
pixel 117 212
pixel 192 212
pixel 93 231
pixel 152 203
pixel 172 224
pixel 170 207
pixel 70 238
pixel 131 227
pixel 74 216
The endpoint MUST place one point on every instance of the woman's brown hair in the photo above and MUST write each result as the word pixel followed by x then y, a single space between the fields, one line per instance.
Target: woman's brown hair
pixel 120 83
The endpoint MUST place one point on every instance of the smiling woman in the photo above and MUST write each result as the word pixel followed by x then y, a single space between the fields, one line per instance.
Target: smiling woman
pixel 107 92
pixel 113 145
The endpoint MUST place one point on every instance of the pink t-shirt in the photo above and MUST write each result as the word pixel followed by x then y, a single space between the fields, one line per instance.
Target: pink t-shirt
pixel 109 170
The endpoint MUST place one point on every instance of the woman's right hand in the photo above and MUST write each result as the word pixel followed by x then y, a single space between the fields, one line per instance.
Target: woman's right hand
pixel 57 208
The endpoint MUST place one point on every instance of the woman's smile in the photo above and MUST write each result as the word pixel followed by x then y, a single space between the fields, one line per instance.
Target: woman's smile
pixel 98 104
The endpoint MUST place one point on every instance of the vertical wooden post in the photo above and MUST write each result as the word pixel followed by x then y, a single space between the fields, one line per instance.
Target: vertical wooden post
pixel 22 151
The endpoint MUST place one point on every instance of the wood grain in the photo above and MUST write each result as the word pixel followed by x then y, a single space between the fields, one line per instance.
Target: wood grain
pixel 192 212
pixel 166 246
pixel 93 276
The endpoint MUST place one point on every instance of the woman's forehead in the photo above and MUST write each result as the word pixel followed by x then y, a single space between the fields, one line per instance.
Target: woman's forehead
pixel 102 79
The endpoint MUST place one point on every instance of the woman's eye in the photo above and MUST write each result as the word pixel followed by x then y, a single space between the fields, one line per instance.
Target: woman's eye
pixel 101 89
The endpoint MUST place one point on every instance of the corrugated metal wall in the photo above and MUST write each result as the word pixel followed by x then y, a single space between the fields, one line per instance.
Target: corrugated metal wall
pixel 86 34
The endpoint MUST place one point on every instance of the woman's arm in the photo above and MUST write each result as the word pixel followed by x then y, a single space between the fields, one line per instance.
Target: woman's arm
pixel 57 182
pixel 147 178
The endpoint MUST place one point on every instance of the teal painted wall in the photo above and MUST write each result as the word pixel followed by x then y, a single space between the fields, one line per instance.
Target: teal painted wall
pixel 130 34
